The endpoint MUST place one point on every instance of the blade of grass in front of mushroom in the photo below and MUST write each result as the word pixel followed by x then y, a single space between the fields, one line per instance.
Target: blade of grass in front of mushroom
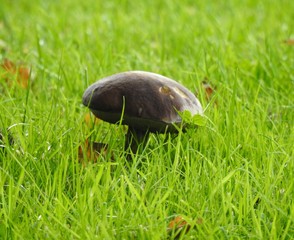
pixel 133 137
pixel 192 120
pixel 130 135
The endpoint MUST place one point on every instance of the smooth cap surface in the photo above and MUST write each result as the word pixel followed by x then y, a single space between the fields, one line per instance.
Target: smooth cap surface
pixel 150 101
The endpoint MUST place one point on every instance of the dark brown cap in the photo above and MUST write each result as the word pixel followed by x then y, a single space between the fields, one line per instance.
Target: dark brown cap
pixel 150 101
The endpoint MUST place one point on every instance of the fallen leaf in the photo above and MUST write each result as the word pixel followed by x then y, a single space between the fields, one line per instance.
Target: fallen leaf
pixel 289 42
pixel 90 152
pixel 177 222
pixel 23 76
pixel 15 71
pixel 209 90
pixel 178 227
pixel 89 120
pixel 8 65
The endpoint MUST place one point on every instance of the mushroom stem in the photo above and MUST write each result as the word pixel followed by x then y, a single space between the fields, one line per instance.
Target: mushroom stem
pixel 134 138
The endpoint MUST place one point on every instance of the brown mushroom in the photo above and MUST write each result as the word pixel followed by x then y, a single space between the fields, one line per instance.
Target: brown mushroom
pixel 145 101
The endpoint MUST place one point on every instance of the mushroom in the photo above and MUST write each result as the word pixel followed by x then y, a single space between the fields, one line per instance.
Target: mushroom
pixel 145 101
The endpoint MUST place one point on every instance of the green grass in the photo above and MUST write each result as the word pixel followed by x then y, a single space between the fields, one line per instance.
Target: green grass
pixel 235 174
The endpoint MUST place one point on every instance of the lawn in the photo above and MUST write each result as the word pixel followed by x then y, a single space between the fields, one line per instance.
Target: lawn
pixel 230 179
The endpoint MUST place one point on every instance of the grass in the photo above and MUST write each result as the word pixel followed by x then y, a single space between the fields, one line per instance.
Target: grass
pixel 232 179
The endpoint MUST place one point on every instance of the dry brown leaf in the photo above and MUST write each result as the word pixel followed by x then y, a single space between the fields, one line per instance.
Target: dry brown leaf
pixel 90 152
pixel 177 222
pixel 8 65
pixel 179 226
pixel 13 71
pixel 209 90
pixel 89 122
pixel 87 119
pixel 289 42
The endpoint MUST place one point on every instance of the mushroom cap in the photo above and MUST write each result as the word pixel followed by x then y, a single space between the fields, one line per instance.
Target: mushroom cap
pixel 148 101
